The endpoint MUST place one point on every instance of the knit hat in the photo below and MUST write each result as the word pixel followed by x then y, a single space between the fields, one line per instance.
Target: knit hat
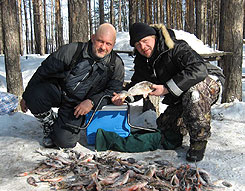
pixel 138 31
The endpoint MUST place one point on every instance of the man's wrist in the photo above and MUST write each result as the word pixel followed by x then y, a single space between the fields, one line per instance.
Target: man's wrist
pixel 91 101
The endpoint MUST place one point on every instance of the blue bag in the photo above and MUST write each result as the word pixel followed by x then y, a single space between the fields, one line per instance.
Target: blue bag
pixel 8 103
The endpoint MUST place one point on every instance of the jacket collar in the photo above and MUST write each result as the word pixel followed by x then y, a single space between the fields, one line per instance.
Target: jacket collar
pixel 165 37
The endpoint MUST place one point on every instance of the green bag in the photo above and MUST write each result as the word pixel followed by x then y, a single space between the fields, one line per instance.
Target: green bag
pixel 138 141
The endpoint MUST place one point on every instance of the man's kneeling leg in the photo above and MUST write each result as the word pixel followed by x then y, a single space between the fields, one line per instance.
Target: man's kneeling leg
pixel 63 135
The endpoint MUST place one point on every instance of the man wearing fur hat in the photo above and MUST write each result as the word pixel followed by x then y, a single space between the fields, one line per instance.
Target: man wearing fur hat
pixel 188 85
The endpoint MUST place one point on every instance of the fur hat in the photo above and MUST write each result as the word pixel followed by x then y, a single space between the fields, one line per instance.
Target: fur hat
pixel 138 31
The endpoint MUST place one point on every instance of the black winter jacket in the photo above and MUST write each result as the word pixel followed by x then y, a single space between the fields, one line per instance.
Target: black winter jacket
pixel 174 64
pixel 89 78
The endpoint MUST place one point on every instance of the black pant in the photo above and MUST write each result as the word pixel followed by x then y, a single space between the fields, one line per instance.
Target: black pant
pixel 41 98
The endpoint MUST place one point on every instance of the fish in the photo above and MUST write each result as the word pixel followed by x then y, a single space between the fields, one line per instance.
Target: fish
pixel 122 179
pixel 150 171
pixel 31 181
pixel 56 179
pixel 134 186
pixel 141 88
pixel 72 170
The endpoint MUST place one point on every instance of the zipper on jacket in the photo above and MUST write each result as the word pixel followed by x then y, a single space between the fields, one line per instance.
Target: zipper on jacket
pixel 154 71
pixel 84 77
pixel 151 67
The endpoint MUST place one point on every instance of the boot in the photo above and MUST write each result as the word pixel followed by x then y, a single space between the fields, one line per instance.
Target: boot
pixel 196 151
pixel 47 121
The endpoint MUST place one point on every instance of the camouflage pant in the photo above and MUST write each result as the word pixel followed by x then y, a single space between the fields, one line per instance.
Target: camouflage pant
pixel 192 114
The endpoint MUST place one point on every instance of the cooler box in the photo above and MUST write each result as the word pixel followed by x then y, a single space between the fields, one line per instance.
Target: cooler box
pixel 110 118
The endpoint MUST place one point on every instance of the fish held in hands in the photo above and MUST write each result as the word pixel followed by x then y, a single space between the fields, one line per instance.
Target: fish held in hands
pixel 141 88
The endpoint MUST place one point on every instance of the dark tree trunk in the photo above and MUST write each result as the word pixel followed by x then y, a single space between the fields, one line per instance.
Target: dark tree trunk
pixel 173 17
pixel 45 26
pixel 137 7
pixel 150 11
pixel 142 12
pixel 1 31
pixel 233 35
pixel 101 9
pixel 32 40
pixel 200 19
pixel 168 13
pixel 39 27
pixel 210 22
pixel 11 47
pixel 119 16
pixel 147 13
pixel 244 20
pixel 78 20
pixel 112 13
pixel 58 25
pixel 132 12
pixel 179 14
pixel 52 27
pixel 19 21
pixel 27 27
pixel 162 11
pixel 90 19
pixel 191 16
pixel 124 15
pixel 158 12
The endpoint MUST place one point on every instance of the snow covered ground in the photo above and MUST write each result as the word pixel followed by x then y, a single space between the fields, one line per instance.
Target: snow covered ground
pixel 224 159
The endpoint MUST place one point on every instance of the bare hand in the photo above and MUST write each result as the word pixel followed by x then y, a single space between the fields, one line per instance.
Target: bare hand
pixel 159 90
pixel 83 108
pixel 23 106
pixel 117 99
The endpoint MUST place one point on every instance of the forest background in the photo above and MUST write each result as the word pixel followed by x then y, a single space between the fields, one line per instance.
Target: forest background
pixel 42 26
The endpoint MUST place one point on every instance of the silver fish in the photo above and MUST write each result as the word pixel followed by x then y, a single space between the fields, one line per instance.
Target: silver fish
pixel 141 88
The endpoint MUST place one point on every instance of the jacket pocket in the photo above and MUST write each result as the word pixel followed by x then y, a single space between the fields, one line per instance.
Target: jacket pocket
pixel 76 77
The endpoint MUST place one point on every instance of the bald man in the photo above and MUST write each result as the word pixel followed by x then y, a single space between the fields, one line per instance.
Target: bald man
pixel 74 79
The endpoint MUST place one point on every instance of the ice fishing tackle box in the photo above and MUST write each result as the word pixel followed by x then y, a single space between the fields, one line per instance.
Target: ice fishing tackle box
pixel 110 118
